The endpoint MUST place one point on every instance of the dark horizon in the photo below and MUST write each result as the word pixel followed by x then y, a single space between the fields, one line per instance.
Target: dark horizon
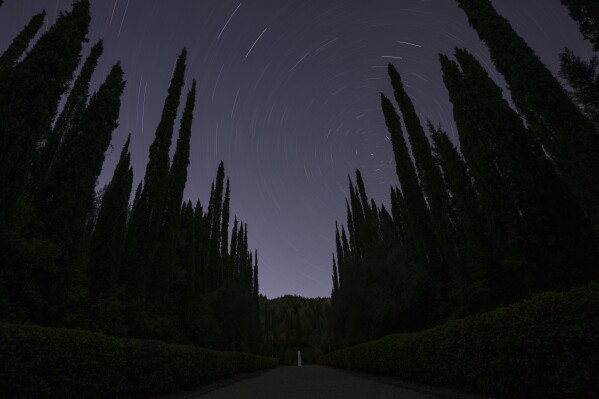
pixel 288 98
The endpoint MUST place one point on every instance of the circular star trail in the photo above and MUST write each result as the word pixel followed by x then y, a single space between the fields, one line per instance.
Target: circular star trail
pixel 288 98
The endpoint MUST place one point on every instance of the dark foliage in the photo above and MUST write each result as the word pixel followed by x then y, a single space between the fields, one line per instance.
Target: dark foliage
pixel 59 363
pixel 541 348
pixel 291 323
pixel 583 78
pixel 20 43
pixel 73 257
pixel 566 134
pixel 586 15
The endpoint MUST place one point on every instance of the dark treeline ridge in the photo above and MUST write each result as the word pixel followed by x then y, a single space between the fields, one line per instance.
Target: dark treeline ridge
pixel 291 323
pixel 72 257
pixel 511 214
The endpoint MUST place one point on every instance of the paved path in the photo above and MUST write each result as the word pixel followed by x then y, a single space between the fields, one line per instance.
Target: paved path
pixel 313 382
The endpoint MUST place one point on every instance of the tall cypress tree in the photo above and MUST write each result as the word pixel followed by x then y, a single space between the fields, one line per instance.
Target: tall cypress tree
pixel 186 287
pixel 541 227
pixel 339 247
pixel 29 97
pixel 106 244
pixel 398 211
pixel 469 220
pixel 20 43
pixel 224 229
pixel 65 126
pixel 157 170
pixel 66 199
pixel 586 15
pixel 247 259
pixel 256 284
pixel 133 274
pixel 165 258
pixel 233 251
pixel 217 208
pixel 335 280
pixel 148 211
pixel 566 134
pixel 418 218
pixel 430 176
pixel 359 222
pixel 350 229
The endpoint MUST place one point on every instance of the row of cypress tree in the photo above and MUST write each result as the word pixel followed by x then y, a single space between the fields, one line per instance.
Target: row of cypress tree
pixel 156 268
pixel 515 212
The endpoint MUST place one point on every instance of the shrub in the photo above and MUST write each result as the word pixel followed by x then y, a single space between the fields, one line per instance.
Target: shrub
pixel 545 347
pixel 41 362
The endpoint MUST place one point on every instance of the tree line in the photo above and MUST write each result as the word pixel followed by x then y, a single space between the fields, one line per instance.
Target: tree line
pixel 512 213
pixel 291 323
pixel 157 267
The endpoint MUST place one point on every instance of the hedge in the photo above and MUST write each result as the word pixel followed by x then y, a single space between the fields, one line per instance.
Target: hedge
pixel 41 362
pixel 544 347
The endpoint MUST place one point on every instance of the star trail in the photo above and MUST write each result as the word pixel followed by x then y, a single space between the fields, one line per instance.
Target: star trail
pixel 288 98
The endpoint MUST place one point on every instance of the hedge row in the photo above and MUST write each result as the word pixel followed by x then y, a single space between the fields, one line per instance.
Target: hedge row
pixel 545 347
pixel 40 362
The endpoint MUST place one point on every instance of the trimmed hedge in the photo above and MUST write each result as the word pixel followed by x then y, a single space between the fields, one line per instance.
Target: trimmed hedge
pixel 41 362
pixel 544 347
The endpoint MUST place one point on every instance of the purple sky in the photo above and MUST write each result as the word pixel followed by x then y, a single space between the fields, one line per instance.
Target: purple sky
pixel 288 99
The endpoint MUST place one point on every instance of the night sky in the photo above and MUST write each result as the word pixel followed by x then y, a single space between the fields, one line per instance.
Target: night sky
pixel 288 98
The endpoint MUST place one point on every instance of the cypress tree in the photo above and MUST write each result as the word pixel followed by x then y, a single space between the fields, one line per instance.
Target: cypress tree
pixel 339 247
pixel 350 229
pixel 133 274
pixel 247 258
pixel 387 227
pixel 158 168
pixel 148 211
pixel 369 211
pixel 240 257
pixel 224 241
pixel 20 43
pixel 29 96
pixel 359 223
pixel 362 192
pixel 184 296
pixel 66 199
pixel 347 255
pixel 426 246
pixel 541 227
pixel 399 214
pixel 346 246
pixel 201 239
pixel 255 285
pixel 67 121
pixel 233 252
pixel 480 280
pixel 469 220
pixel 217 203
pixel 106 244
pixel 162 270
pixel 569 138
pixel 430 176
pixel 586 15
pixel 335 280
